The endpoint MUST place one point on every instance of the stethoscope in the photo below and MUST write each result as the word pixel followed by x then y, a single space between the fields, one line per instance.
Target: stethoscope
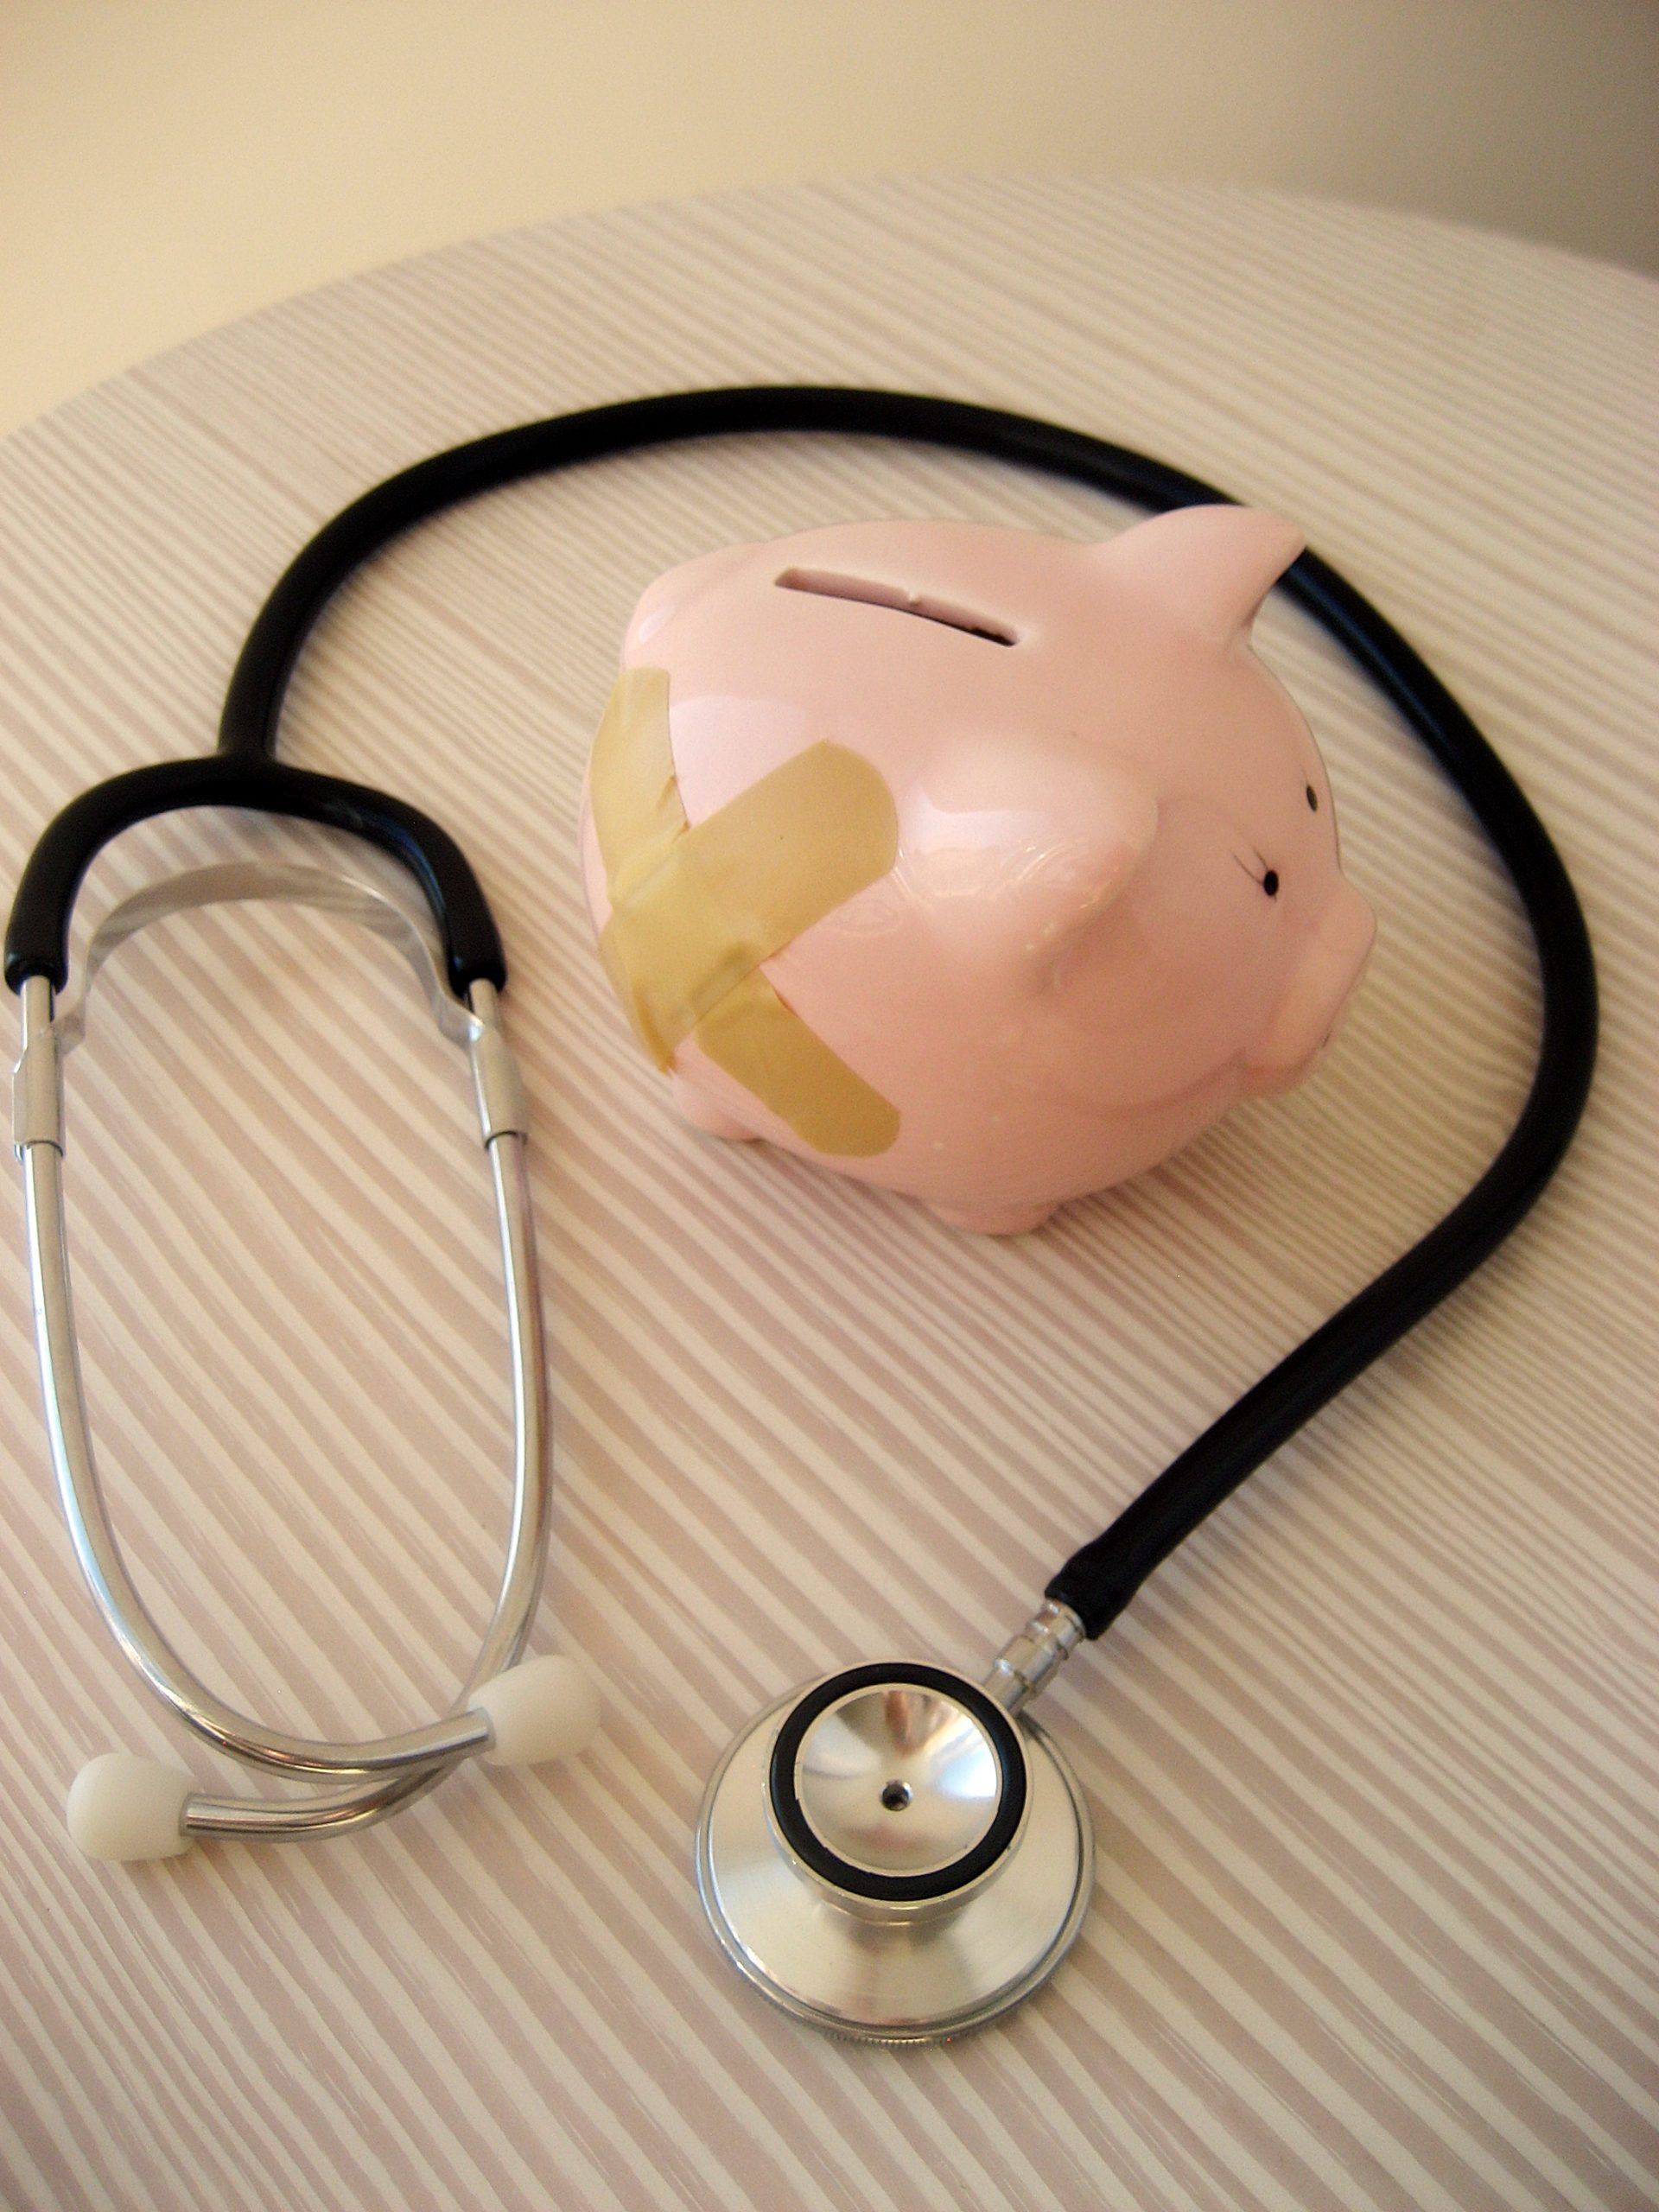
pixel 896 1853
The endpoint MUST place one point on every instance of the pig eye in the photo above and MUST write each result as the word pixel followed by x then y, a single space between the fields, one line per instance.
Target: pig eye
pixel 1270 883
pixel 1313 800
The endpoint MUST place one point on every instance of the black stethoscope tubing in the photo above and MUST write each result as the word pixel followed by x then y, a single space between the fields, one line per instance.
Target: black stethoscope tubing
pixel 1099 1579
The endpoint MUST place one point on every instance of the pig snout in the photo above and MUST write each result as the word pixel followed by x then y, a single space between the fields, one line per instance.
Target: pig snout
pixel 1311 1004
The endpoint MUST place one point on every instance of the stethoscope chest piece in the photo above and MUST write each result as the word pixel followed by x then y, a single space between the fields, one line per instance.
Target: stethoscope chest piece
pixel 891 1855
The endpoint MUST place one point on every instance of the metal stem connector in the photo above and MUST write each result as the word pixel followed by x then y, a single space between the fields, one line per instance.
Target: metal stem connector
pixel 1025 1663
pixel 37 1079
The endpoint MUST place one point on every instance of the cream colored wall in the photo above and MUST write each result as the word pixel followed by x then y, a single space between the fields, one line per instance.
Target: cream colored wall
pixel 165 164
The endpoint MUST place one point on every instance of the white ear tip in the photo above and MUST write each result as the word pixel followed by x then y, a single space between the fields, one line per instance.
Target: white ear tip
pixel 544 1708
pixel 123 1806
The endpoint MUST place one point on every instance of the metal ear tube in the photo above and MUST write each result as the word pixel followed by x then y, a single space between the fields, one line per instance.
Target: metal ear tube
pixel 511 1711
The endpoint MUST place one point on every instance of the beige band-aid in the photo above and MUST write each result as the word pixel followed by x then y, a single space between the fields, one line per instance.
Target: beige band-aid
pixel 695 911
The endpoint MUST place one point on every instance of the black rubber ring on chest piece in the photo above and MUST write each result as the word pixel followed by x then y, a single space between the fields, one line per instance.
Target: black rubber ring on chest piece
pixel 899 1889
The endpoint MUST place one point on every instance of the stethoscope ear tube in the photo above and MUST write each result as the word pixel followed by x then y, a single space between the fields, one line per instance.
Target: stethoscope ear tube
pixel 511 1711
pixel 37 935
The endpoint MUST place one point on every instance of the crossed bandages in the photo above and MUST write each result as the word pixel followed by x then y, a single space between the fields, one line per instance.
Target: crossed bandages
pixel 695 911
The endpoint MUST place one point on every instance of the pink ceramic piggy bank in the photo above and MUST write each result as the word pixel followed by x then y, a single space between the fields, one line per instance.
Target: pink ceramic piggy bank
pixel 978 864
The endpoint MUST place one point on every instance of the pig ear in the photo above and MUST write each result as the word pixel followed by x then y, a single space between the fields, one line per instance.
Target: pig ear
pixel 1015 859
pixel 1071 878
pixel 1211 567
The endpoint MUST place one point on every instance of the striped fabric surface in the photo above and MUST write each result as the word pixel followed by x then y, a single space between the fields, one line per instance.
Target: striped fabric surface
pixel 1373 1760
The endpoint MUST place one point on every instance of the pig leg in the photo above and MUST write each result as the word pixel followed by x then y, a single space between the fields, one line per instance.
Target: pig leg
pixel 703 1114
pixel 1009 1221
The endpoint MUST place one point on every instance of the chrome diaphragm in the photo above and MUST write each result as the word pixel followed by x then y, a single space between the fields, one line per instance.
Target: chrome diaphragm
pixel 893 1855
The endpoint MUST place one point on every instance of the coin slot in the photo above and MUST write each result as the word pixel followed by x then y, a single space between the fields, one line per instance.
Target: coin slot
pixel 821 584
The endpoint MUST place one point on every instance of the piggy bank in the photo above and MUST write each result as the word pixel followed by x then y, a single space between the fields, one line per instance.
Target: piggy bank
pixel 985 865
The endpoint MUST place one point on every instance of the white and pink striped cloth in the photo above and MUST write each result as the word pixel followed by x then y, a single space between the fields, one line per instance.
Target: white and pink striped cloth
pixel 1375 1760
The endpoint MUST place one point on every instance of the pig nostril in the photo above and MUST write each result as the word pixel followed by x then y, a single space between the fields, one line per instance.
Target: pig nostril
pixel 1270 883
pixel 1313 800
